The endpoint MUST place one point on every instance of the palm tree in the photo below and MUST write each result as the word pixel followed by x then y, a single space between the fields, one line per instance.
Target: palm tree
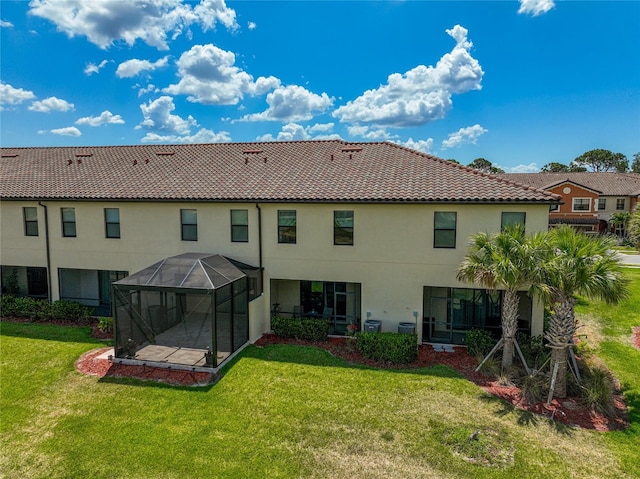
pixel 581 265
pixel 509 261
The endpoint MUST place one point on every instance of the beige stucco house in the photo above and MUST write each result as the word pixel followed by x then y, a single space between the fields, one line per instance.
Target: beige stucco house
pixel 357 231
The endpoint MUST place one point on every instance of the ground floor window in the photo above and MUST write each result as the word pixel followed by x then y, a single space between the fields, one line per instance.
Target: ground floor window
pixel 450 312
pixel 89 287
pixel 339 302
pixel 25 281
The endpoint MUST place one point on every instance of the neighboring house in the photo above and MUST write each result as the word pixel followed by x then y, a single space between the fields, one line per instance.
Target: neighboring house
pixel 359 231
pixel 608 193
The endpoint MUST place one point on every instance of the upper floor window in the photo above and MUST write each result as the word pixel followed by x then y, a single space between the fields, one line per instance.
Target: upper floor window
pixel 343 227
pixel 30 214
pixel 620 204
pixel 510 218
pixel 444 229
pixel 112 222
pixel 287 226
pixel 581 204
pixel 68 222
pixel 189 225
pixel 602 203
pixel 240 226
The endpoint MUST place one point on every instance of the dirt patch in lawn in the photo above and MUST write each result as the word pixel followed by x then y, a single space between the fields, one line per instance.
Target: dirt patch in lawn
pixel 635 337
pixel 569 411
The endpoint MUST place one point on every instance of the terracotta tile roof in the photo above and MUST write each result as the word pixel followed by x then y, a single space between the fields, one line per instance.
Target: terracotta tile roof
pixel 607 183
pixel 313 171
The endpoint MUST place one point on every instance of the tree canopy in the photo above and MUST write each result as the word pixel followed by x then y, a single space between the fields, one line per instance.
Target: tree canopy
pixel 603 160
pixel 635 163
pixel 555 167
pixel 485 165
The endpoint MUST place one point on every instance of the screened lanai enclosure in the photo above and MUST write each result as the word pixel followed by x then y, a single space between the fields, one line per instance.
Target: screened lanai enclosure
pixel 191 309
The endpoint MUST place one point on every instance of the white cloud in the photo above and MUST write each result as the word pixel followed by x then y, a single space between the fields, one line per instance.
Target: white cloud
pixel 92 68
pixel 424 146
pixel 68 131
pixel 105 118
pixel 530 168
pixel 368 133
pixel 150 88
pixel 5 24
pixel 51 104
pixel 292 103
pixel 469 134
pixel 535 7
pixel 104 22
pixel 208 75
pixel 158 117
pixel 202 136
pixel 251 25
pixel 321 127
pixel 296 132
pixel 133 67
pixel 420 95
pixel 14 96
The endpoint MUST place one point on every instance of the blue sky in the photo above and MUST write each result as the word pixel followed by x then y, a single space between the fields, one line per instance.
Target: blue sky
pixel 520 83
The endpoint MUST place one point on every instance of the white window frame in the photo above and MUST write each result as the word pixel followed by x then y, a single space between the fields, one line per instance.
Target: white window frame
pixel 573 205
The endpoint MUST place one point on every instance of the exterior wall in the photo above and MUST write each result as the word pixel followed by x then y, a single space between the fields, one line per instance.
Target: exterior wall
pixel 610 206
pixel 393 256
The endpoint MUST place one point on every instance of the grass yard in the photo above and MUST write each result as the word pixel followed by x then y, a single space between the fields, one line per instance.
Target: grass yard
pixel 294 412
pixel 608 330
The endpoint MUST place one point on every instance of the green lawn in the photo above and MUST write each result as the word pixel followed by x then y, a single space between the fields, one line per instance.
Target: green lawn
pixel 609 330
pixel 288 412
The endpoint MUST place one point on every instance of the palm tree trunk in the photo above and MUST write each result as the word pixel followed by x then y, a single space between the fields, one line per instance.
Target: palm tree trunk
pixel 562 328
pixel 509 326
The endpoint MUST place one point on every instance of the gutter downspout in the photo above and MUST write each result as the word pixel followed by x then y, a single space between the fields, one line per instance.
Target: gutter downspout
pixel 48 248
pixel 260 246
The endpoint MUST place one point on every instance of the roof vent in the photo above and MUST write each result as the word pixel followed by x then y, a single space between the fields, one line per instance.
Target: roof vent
pixel 10 155
pixel 83 155
pixel 248 152
pixel 348 149
pixel 165 153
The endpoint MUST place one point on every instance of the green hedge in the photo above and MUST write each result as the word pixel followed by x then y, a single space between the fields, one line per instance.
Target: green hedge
pixel 396 348
pixel 300 328
pixel 43 310
pixel 479 342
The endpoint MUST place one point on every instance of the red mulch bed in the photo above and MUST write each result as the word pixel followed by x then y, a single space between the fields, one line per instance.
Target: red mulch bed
pixel 567 411
pixel 89 363
pixel 635 338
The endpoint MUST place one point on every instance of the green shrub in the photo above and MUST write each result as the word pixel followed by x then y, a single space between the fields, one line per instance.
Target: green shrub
pixel 533 350
pixel 491 367
pixel 396 348
pixel 105 324
pixel 31 308
pixel 42 310
pixel 314 329
pixel 533 388
pixel 300 328
pixel 598 389
pixel 479 342
pixel 7 306
pixel 70 311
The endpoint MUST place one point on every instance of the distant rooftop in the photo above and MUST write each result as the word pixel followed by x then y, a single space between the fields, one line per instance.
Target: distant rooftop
pixel 607 183
pixel 301 171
